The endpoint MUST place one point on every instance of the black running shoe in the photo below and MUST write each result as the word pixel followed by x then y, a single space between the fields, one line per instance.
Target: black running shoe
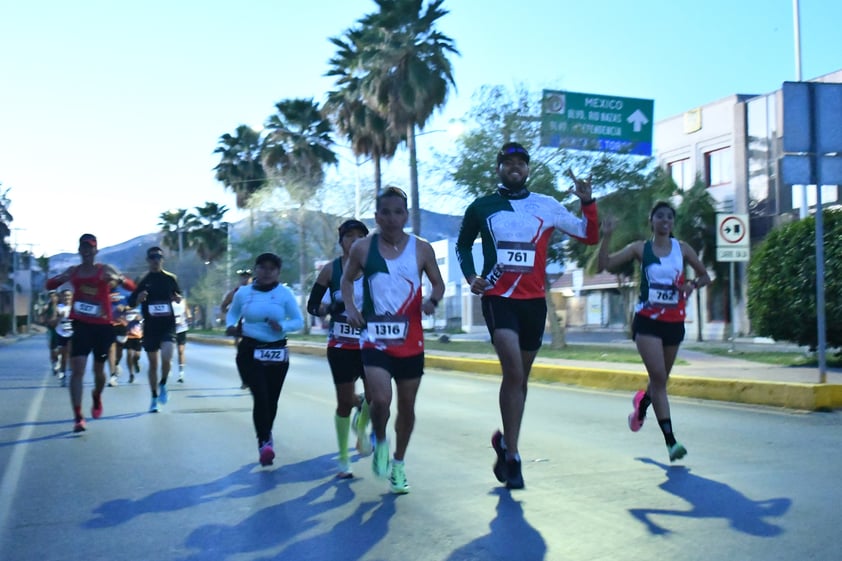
pixel 500 464
pixel 514 477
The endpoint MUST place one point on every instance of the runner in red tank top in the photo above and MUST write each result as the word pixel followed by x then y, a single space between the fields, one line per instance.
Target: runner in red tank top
pixel 92 329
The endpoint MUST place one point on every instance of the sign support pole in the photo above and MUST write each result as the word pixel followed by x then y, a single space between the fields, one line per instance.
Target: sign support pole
pixel 821 320
pixel 731 291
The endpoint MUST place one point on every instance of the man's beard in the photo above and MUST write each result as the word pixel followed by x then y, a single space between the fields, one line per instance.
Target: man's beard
pixel 512 186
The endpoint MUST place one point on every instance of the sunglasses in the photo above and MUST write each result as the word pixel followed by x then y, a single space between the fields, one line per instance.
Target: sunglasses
pixel 155 257
pixel 514 150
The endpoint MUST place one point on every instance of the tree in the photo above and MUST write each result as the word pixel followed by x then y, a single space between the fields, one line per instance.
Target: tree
pixel 240 167
pixel 207 233
pixel 366 130
pixel 406 72
pixel 174 225
pixel 297 147
pixel 782 282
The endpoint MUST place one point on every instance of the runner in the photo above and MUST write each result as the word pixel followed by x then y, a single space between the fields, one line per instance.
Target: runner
pixel 182 322
pixel 134 341
pixel 48 318
pixel 119 307
pixel 515 226
pixel 155 293
pixel 658 325
pixel 91 315
pixel 266 311
pixel 63 333
pixel 343 347
pixel 391 263
pixel 244 276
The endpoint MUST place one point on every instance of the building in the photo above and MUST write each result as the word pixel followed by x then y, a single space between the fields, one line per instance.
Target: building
pixel 735 146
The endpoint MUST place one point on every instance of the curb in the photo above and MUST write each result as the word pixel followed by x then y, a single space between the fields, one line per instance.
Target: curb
pixel 789 395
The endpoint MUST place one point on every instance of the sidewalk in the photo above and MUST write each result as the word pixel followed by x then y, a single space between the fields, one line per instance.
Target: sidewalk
pixel 705 376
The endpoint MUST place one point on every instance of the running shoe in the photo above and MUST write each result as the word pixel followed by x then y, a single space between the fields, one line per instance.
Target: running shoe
pixel 397 479
pixel 500 450
pixel 79 425
pixel 96 408
pixel 345 471
pixel 267 454
pixel 62 378
pixel 153 407
pixel 380 461
pixel 677 451
pixel 364 446
pixel 180 377
pixel 635 422
pixel 514 477
pixel 131 377
pixel 113 381
pixel 163 395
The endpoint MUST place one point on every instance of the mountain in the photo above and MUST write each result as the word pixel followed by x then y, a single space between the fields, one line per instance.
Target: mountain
pixel 130 256
pixel 125 256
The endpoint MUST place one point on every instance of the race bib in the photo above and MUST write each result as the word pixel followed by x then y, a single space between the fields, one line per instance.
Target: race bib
pixel 272 355
pixel 344 332
pixel 388 330
pixel 86 308
pixel 160 309
pixel 663 294
pixel 516 257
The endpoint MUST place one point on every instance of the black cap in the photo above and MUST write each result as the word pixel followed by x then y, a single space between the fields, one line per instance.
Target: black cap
pixel 88 239
pixel 268 258
pixel 510 149
pixel 349 225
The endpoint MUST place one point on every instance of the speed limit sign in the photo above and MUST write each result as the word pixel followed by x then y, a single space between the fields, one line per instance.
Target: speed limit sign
pixel 732 237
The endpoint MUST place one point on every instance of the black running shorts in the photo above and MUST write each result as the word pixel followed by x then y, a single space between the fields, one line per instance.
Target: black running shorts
pixel 527 318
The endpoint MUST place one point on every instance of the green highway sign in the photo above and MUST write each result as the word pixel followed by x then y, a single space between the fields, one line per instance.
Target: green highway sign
pixel 602 123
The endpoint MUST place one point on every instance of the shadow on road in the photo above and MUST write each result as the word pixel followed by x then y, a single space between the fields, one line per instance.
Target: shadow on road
pixel 281 525
pixel 510 537
pixel 238 484
pixel 711 499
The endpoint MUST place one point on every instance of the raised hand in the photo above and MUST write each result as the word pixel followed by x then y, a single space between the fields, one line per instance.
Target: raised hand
pixel 582 188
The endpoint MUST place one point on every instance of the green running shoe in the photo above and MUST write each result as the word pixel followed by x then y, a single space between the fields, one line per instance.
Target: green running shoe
pixel 397 479
pixel 677 451
pixel 380 461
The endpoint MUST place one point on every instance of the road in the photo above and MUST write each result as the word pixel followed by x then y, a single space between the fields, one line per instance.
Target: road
pixel 183 484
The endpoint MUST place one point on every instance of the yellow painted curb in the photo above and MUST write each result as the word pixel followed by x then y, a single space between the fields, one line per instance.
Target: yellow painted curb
pixel 808 397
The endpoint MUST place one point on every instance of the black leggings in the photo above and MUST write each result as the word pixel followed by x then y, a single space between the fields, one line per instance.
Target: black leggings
pixel 265 380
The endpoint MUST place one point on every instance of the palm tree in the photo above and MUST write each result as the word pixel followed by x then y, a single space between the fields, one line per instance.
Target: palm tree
pixel 240 167
pixel 366 130
pixel 296 149
pixel 207 231
pixel 407 72
pixel 173 224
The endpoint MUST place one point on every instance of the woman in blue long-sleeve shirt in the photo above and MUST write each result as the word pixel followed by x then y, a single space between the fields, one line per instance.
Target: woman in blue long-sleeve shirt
pixel 269 311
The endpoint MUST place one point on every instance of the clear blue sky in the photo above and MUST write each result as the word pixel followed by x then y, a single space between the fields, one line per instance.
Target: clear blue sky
pixel 110 110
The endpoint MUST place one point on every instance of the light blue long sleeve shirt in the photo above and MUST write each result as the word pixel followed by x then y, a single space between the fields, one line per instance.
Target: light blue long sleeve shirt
pixel 256 308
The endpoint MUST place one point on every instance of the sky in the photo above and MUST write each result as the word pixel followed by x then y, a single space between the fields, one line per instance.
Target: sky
pixel 110 110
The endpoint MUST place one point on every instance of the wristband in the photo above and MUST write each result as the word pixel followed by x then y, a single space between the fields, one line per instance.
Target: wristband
pixel 434 302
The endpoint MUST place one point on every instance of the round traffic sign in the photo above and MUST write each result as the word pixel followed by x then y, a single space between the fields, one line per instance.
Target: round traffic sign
pixel 732 229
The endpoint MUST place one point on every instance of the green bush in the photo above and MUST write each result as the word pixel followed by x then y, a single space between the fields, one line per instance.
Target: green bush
pixel 5 324
pixel 782 282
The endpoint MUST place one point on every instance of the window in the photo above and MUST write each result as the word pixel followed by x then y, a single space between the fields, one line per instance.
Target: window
pixel 680 173
pixel 719 167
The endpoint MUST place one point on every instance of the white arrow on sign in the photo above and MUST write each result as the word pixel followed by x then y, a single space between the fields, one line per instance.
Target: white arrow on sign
pixel 637 119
